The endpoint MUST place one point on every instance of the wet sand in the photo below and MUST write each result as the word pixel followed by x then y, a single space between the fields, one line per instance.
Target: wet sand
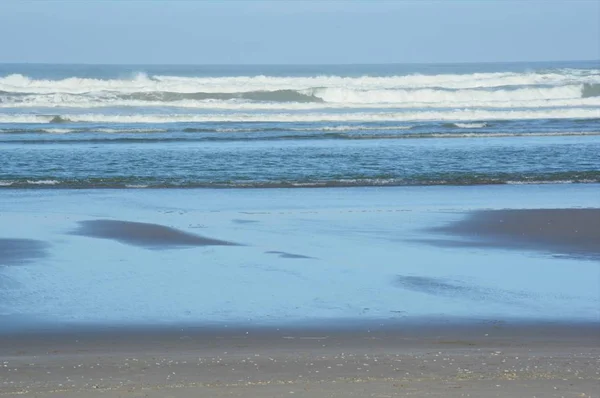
pixel 288 255
pixel 21 251
pixel 435 359
pixel 144 234
pixel 568 232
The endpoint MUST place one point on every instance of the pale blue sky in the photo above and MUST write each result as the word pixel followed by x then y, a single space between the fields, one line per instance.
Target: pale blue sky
pixel 298 32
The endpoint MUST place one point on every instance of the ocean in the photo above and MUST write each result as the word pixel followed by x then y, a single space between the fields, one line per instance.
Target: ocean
pixel 270 195
pixel 149 126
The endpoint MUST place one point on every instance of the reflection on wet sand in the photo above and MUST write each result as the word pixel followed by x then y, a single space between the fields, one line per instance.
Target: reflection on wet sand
pixel 146 235
pixel 21 251
pixel 568 232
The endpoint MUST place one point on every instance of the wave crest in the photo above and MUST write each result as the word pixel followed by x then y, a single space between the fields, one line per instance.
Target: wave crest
pixel 590 90
pixel 454 115
pixel 141 82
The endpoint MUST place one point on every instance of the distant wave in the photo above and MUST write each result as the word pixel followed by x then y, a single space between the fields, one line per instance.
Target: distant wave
pixel 567 177
pixel 268 96
pixel 474 125
pixel 17 83
pixel 43 182
pixel 455 115
pixel 293 129
pixel 344 95
pixel 94 101
pixel 565 88
pixel 542 96
pixel 267 129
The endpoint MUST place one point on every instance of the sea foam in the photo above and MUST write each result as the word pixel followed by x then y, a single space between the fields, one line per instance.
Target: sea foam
pixel 178 84
pixel 450 115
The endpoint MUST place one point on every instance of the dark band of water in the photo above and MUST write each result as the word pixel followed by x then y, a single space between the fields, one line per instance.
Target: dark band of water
pixel 383 181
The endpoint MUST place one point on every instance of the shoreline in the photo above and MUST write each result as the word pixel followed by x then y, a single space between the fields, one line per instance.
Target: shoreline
pixel 35 328
pixel 423 331
pixel 56 185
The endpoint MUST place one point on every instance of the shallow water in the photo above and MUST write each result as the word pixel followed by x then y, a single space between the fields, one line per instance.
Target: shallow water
pixel 347 253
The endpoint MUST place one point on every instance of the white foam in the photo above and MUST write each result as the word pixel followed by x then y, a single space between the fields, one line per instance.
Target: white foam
pixel 456 115
pixel 143 83
pixel 436 96
pixel 43 182
pixel 356 128
pixel 569 96
pixel 470 125
pixel 535 182
pixel 58 131
pixel 504 135
pixel 117 131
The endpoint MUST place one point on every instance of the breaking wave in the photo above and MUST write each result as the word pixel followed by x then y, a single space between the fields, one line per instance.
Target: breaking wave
pixel 590 90
pixel 143 83
pixel 474 125
pixel 455 115
pixel 568 88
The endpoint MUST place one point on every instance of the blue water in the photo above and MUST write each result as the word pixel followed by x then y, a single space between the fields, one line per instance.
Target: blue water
pixel 90 126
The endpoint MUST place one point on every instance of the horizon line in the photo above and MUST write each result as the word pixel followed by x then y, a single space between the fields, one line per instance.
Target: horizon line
pixel 302 64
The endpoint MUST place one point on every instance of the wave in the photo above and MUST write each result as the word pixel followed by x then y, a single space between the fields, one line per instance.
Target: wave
pixel 57 131
pixel 62 101
pixel 293 129
pixel 358 127
pixel 268 96
pixel 590 90
pixel 141 82
pixel 570 95
pixel 455 115
pixel 474 125
pixel 421 96
pixel 43 182
pixel 62 131
pixel 59 119
pixel 557 88
pixel 578 177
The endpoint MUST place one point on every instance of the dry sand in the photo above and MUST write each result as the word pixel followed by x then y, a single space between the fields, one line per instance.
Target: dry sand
pixel 433 359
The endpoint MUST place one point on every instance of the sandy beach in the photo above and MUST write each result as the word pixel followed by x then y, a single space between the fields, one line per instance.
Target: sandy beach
pixel 132 298
pixel 432 358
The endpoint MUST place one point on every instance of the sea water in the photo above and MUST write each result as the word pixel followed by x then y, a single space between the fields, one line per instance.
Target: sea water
pixel 147 126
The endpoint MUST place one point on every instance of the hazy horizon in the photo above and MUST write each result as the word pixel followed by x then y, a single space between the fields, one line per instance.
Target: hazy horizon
pixel 305 64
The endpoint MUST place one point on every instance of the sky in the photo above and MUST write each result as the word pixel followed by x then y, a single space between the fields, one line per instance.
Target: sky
pixel 297 32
